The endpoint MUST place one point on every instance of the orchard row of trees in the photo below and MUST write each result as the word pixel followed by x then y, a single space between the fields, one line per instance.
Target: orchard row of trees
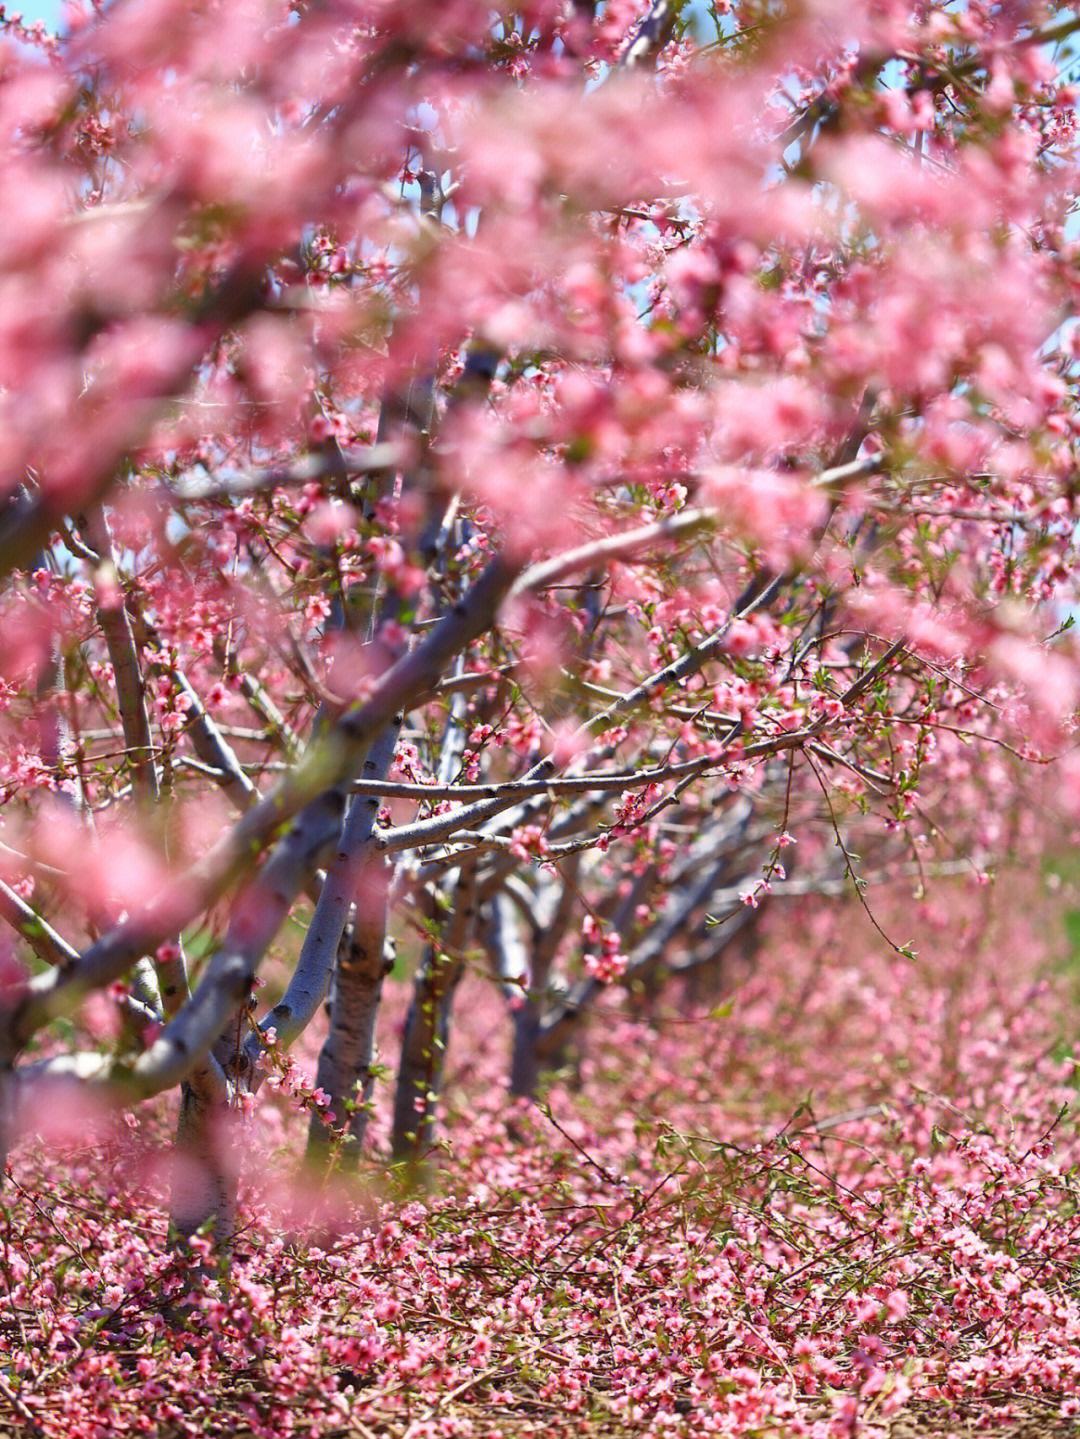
pixel 538 486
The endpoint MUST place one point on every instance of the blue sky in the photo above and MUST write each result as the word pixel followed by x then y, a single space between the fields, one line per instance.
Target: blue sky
pixel 47 10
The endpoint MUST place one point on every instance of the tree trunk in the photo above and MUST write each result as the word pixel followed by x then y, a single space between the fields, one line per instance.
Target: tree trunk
pixel 525 1054
pixel 427 1030
pixel 204 1179
pixel 345 1063
pixel 7 1114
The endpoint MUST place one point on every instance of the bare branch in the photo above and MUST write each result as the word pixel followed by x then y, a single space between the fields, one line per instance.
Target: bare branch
pixel 40 936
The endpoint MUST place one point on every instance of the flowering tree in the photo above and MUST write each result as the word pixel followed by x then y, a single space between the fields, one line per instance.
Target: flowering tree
pixel 507 482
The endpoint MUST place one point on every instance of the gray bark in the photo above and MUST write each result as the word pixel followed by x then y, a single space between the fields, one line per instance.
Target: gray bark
pixel 204 1181
pixel 360 876
pixel 427 1029
pixel 204 1114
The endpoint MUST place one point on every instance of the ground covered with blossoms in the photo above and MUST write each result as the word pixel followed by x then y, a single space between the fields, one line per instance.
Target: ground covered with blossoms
pixel 837 1194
